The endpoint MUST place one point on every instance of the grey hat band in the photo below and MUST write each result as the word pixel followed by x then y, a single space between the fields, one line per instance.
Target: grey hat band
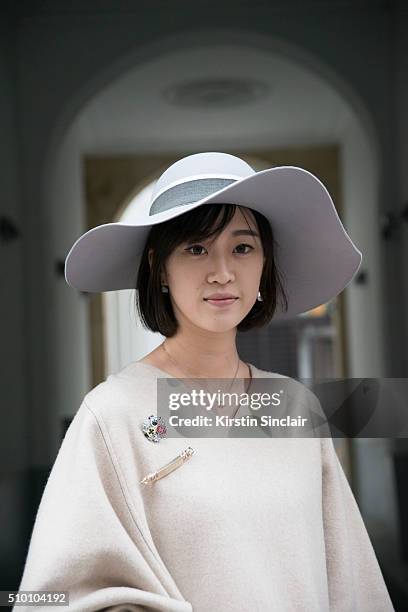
pixel 187 193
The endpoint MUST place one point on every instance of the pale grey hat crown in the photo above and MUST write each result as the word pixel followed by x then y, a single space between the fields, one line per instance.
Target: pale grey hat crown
pixel 195 177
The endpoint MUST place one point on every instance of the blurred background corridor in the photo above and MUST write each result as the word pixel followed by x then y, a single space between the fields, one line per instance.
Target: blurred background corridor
pixel 96 100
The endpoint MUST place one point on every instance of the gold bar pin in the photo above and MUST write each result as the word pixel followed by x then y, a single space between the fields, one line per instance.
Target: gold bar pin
pixel 169 467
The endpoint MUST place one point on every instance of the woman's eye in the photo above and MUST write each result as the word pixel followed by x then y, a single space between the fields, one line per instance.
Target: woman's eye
pixel 194 246
pixel 198 246
pixel 246 245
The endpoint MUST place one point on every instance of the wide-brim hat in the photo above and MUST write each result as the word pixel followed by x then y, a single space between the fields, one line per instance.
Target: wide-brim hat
pixel 315 255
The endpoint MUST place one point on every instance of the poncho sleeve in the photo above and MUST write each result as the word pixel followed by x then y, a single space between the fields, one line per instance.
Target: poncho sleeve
pixel 354 576
pixel 91 538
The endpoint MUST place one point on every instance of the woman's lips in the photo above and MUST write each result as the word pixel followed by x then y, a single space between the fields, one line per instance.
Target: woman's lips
pixel 222 303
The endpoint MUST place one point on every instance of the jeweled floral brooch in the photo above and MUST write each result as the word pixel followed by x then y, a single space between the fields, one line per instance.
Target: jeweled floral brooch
pixel 154 428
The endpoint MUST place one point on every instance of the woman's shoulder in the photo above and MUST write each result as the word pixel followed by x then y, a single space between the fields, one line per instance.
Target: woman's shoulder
pixel 297 391
pixel 258 373
pixel 129 392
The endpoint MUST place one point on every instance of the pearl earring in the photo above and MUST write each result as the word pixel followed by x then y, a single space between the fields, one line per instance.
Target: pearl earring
pixel 259 298
pixel 164 289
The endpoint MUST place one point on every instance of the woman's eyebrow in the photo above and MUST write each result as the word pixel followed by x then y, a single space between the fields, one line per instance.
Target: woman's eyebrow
pixel 244 232
pixel 240 232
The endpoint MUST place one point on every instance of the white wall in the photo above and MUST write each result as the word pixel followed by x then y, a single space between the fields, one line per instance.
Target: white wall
pixel 360 188
pixel 14 395
pixel 68 319
pixel 401 130
pixel 14 300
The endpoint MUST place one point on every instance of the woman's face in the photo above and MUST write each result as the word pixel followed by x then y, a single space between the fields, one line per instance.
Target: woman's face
pixel 232 263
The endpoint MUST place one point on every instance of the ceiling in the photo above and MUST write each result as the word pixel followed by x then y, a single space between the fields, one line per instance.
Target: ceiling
pixel 213 96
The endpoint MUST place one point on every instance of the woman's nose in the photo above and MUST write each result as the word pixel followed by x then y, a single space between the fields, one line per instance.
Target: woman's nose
pixel 222 270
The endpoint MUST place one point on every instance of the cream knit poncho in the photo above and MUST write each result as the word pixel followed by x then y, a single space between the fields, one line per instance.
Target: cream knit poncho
pixel 245 525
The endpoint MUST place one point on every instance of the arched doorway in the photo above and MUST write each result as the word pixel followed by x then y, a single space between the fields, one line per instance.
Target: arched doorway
pixel 246 94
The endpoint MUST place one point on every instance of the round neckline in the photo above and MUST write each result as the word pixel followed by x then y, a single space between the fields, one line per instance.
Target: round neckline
pixel 148 365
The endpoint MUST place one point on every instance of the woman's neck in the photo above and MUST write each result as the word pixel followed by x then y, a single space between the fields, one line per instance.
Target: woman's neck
pixel 192 356
pixel 205 359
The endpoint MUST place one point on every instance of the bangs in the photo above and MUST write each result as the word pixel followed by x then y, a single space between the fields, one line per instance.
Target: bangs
pixel 199 224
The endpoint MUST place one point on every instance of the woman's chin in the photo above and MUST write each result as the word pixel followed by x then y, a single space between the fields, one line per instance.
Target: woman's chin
pixel 219 326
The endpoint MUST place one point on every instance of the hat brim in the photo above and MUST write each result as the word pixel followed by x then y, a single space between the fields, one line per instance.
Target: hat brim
pixel 315 255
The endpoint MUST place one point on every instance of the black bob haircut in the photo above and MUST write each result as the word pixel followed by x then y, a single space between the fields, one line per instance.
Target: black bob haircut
pixel 155 308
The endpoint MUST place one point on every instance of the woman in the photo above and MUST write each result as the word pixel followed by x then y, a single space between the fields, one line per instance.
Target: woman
pixel 132 519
